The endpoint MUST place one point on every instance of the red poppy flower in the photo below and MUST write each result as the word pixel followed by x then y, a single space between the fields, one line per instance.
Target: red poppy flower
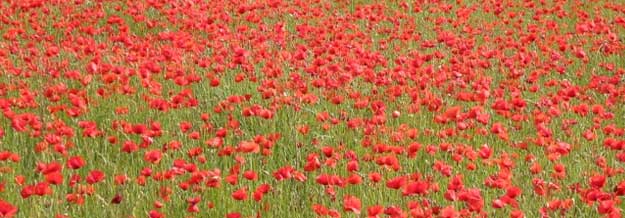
pixel 7 210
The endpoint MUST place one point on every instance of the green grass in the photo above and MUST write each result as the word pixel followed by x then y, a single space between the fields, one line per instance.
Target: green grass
pixel 293 198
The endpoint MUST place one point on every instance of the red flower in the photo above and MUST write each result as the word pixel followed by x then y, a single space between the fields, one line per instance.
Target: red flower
pixel 95 176
pixel 249 147
pixel 375 210
pixel 418 188
pixel 597 181
pixel 352 204
pixel 473 198
pixel 7 210
pixel 75 162
pixel 155 214
pixel 240 194
pixel 55 178
pixel 117 199
pixel 153 156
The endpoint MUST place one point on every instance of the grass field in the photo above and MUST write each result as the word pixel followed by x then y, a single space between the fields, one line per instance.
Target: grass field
pixel 277 108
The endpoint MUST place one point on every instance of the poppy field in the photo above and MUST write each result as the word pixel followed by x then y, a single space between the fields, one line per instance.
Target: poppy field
pixel 312 108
